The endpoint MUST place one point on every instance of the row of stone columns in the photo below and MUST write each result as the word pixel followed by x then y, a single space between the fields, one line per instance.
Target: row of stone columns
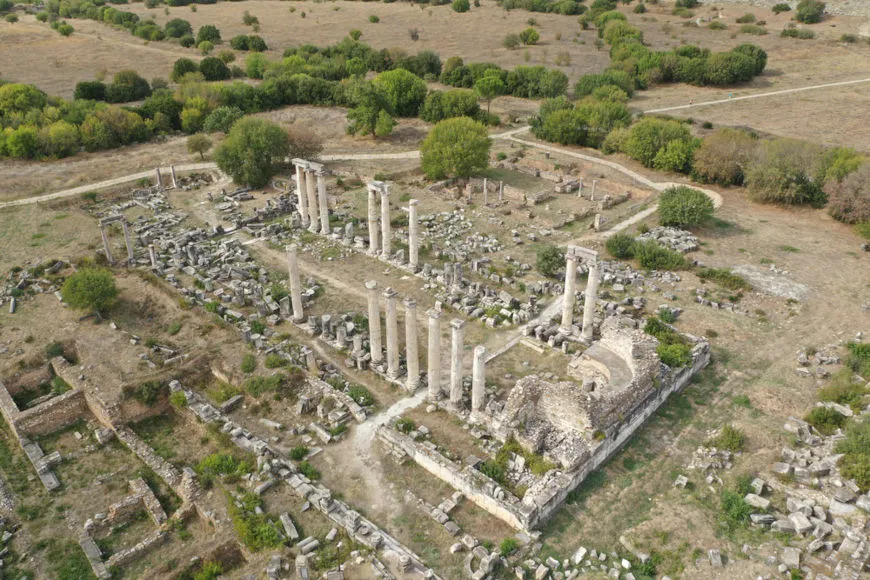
pixel 380 239
pixel 392 332
pixel 312 203
pixel 573 255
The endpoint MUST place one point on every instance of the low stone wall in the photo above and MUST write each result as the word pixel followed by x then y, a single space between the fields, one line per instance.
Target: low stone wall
pixel 165 470
pixel 133 553
pixel 54 414
pixel 472 483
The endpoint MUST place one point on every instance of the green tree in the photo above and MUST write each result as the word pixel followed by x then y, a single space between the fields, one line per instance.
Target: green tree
pixel 684 207
pixel 198 143
pixel 22 143
pixel 849 199
pixel 253 151
pixel 90 289
pixel 208 33
pixel 60 139
pixel 214 69
pixel 649 135
pixel 404 90
pixel 369 101
pixel 676 155
pixel 181 67
pixel 511 41
pixel 177 27
pixel 127 86
pixel 255 65
pixel 222 119
pixel 723 156
pixel 20 98
pixel 756 53
pixel 91 90
pixel 488 88
pixel 455 147
pixel 550 260
pixel 783 171
pixel 384 125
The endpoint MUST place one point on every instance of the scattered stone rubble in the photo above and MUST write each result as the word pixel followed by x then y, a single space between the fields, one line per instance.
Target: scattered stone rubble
pixel 672 238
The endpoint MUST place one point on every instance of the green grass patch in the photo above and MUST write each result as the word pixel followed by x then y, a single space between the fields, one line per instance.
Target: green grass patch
pixel 724 278
pixel 256 531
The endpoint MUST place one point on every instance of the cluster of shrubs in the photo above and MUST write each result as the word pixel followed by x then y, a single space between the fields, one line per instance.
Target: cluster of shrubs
pixel 673 349
pixel 177 28
pixel 528 82
pixel 126 86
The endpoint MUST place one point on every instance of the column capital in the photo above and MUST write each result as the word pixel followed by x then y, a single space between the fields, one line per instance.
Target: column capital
pixel 457 323
pixel 371 284
pixel 434 313
pixel 479 350
pixel 414 202
pixel 390 294
pixel 291 248
pixel 409 303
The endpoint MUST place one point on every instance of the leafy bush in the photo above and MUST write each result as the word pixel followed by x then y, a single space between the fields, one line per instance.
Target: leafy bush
pixel 825 420
pixel 309 471
pixel 620 246
pixel 274 361
pixel 220 465
pixel 508 546
pixel 747 18
pixel 492 470
pixel 511 41
pixel 855 463
pixel 675 355
pixel 361 395
pixel 441 153
pixel 461 5
pixel 256 531
pixel 249 363
pixel 801 33
pixel 298 453
pixel 178 399
pixel 753 30
pixel 148 393
pixel 722 156
pixel 405 425
pixel 730 438
pixel 849 199
pixel 724 278
pixel 781 7
pixel 784 171
pixel 859 358
pixel 717 25
pixel 653 256
pixel 650 135
pixel 90 289
pixel 810 11
pixel 530 36
pixel 550 260
pixel 735 511
pixel 258 385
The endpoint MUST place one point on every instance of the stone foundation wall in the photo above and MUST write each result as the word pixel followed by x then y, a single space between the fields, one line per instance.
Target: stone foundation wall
pixel 53 414
pixel 472 483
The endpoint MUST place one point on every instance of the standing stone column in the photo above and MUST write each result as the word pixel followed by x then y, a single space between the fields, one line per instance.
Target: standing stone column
pixel 127 241
pixel 411 355
pixel 324 203
pixel 392 333
pixel 373 221
pixel 374 322
pixel 386 231
pixel 159 178
pixel 570 289
pixel 295 284
pixel 434 354
pixel 457 336
pixel 592 194
pixel 589 301
pixel 310 188
pixel 580 188
pixel 413 236
pixel 501 190
pixel 153 255
pixel 174 178
pixel 106 247
pixel 478 378
pixel 302 197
